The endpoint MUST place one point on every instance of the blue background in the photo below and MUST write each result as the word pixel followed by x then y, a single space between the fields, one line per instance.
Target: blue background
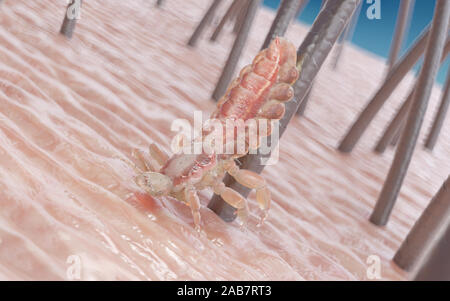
pixel 376 35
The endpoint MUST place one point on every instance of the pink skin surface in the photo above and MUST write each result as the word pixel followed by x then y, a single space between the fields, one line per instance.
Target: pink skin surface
pixel 69 109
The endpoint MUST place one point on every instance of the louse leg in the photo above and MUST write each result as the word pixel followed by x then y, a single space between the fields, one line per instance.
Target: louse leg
pixel 158 154
pixel 131 164
pixel 252 180
pixel 154 183
pixel 194 202
pixel 233 198
pixel 140 156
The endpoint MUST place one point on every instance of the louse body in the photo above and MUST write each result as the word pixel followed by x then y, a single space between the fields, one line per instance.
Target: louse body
pixel 258 93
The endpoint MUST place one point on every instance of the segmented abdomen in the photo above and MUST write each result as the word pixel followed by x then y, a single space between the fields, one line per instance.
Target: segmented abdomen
pixel 249 91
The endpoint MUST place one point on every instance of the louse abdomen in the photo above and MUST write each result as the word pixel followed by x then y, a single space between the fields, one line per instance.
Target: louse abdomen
pixel 245 99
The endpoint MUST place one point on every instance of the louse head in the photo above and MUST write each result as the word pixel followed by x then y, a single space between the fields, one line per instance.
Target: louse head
pixel 155 183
